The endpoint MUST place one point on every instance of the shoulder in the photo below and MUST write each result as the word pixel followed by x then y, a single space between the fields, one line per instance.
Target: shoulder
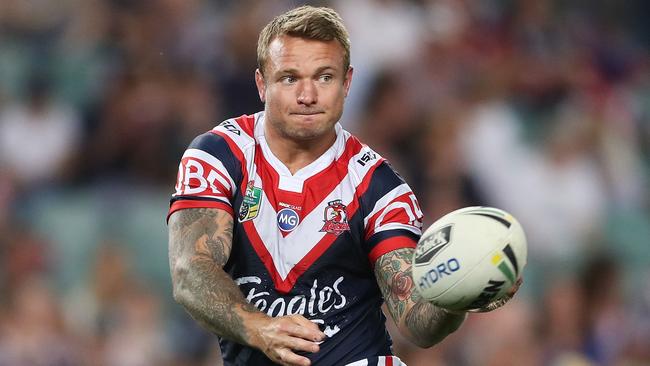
pixel 225 145
pixel 362 159
pixel 232 136
pixel 238 132
pixel 368 164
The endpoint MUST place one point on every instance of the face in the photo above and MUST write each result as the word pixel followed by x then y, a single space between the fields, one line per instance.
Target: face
pixel 303 89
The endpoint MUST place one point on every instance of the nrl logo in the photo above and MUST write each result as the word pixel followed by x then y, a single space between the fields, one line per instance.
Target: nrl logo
pixel 250 206
pixel 336 219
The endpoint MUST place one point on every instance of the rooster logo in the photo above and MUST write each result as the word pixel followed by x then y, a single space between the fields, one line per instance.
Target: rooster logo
pixel 335 218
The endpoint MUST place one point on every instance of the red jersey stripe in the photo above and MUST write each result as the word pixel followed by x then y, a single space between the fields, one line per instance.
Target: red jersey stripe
pixel 263 254
pixel 181 205
pixel 388 245
pixel 247 124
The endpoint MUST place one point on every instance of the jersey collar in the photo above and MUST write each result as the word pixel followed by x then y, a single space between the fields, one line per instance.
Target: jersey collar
pixel 322 162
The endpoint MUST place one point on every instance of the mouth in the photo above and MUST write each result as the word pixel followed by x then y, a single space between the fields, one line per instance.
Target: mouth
pixel 306 113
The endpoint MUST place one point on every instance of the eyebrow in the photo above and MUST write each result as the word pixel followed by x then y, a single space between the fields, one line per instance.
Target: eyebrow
pixel 293 71
pixel 324 68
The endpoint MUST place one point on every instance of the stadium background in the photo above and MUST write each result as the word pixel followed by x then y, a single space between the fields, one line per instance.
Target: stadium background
pixel 538 107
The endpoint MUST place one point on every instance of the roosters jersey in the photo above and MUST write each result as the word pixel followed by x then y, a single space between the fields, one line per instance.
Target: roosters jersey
pixel 304 243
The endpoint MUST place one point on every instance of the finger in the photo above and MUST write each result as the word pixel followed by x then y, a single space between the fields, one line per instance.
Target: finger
pixel 287 357
pixel 310 335
pixel 306 329
pixel 304 322
pixel 299 344
pixel 515 287
pixel 492 305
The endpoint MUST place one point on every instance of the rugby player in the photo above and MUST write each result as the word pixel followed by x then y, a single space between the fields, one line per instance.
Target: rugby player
pixel 287 233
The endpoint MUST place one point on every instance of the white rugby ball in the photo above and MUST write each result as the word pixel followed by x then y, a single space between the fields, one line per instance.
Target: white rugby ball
pixel 469 257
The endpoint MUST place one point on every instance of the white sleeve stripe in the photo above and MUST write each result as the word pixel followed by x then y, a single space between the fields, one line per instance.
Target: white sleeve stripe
pixel 386 200
pixel 396 226
pixel 214 162
pixel 208 198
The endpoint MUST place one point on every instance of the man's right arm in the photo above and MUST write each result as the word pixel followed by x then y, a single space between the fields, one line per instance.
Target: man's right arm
pixel 200 242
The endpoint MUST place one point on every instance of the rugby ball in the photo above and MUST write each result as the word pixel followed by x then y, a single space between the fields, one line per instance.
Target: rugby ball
pixel 469 258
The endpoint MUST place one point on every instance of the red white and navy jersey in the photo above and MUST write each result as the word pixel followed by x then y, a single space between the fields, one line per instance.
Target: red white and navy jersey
pixel 304 243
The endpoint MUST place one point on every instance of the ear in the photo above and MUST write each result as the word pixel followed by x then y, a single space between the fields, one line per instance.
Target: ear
pixel 261 85
pixel 348 80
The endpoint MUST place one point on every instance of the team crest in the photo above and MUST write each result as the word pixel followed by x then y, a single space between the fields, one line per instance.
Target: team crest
pixel 336 218
pixel 250 206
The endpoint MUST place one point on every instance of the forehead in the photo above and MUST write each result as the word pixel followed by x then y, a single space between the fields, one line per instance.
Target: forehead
pixel 288 52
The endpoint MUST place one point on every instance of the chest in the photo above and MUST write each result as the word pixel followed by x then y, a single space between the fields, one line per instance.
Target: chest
pixel 319 199
pixel 291 222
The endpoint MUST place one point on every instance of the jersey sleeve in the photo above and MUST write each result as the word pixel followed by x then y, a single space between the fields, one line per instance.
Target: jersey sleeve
pixel 393 218
pixel 208 175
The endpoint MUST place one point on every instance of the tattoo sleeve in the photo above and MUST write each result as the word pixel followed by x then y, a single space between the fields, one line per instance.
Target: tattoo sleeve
pixel 200 242
pixel 422 322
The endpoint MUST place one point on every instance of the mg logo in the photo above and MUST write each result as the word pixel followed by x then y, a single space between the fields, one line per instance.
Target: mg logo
pixel 287 219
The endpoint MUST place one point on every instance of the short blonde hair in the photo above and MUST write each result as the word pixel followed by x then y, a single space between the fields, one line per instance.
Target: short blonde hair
pixel 316 23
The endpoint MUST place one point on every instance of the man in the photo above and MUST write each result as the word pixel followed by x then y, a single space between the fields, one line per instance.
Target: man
pixel 286 234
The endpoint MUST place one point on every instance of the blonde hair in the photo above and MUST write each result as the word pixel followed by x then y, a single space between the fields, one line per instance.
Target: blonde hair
pixel 316 23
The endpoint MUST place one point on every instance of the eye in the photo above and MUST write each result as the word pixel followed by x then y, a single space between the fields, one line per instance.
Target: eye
pixel 325 78
pixel 288 79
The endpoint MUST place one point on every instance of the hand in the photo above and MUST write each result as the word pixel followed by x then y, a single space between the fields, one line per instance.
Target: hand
pixel 502 301
pixel 279 337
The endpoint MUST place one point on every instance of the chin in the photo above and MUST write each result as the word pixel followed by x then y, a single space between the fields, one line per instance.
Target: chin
pixel 305 128
pixel 306 134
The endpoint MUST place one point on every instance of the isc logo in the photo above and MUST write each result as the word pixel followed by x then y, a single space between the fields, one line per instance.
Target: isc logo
pixel 439 271
pixel 228 125
pixel 287 219
pixel 366 158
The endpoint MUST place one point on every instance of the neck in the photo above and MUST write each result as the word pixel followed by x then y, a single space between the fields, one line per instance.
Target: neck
pixel 296 155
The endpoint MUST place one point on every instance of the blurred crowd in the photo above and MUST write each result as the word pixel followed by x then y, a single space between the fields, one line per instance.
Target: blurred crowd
pixel 538 107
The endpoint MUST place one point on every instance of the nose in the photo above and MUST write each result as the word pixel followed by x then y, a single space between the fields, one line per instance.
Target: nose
pixel 307 93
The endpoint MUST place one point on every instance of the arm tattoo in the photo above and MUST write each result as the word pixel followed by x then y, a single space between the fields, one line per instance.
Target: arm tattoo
pixel 430 324
pixel 426 323
pixel 393 272
pixel 200 241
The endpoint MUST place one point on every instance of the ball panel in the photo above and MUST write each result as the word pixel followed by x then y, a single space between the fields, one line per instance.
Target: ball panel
pixel 485 282
pixel 463 285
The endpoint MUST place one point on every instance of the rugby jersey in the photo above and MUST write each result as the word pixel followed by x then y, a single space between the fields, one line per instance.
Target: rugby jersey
pixel 304 243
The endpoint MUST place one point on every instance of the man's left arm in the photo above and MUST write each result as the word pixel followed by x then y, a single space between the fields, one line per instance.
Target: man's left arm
pixel 420 321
